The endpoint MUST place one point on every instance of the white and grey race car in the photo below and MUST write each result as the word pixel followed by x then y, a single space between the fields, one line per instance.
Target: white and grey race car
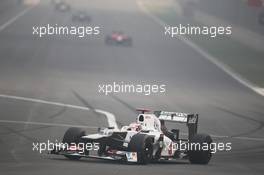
pixel 144 141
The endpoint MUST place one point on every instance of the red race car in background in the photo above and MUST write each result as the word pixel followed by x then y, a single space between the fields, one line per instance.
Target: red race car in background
pixel 118 38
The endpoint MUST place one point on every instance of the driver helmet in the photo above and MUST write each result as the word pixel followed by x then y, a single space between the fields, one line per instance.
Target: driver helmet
pixel 135 126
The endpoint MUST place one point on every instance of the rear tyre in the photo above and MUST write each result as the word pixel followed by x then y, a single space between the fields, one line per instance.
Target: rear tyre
pixel 73 136
pixel 143 145
pixel 199 156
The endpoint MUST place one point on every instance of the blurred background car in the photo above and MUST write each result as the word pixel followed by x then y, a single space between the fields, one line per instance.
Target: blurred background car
pixel 118 38
pixel 81 16
pixel 62 6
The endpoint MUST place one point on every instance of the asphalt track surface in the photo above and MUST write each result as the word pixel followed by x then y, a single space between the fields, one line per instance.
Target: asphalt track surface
pixel 68 70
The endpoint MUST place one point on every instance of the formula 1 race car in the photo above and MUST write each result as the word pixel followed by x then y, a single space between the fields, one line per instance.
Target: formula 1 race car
pixel 144 141
pixel 118 38
pixel 81 16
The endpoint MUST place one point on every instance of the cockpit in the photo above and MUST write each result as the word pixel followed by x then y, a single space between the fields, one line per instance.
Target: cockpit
pixel 149 122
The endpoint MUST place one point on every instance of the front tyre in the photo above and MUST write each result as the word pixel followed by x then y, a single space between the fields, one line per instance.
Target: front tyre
pixel 143 145
pixel 73 136
pixel 200 156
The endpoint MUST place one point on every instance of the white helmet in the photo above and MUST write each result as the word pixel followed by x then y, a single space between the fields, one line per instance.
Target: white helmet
pixel 135 126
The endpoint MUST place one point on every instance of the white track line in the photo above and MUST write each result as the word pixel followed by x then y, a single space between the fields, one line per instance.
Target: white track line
pixel 110 117
pixel 206 55
pixel 46 124
pixel 12 20
pixel 214 61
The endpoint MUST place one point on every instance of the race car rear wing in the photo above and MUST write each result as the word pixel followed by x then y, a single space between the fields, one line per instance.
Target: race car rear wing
pixel 191 120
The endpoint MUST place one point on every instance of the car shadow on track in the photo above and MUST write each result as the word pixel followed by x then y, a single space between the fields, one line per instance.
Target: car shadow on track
pixel 97 161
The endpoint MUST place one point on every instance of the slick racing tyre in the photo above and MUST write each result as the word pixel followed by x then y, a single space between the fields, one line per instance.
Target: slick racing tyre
pixel 199 156
pixel 73 135
pixel 143 145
